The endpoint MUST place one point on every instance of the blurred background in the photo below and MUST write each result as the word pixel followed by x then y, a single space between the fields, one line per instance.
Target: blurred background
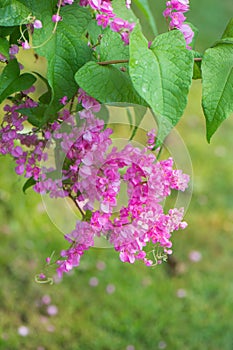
pixel 105 304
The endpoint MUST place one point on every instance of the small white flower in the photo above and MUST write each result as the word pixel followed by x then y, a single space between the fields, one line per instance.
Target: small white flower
pixel 181 293
pixel 23 331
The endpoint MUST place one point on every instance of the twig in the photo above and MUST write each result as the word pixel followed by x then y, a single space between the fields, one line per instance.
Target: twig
pixel 77 205
pixel 105 63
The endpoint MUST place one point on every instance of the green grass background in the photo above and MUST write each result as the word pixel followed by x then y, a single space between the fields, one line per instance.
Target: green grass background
pixel 144 311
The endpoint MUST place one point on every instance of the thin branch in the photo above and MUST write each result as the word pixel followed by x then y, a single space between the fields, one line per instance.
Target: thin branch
pixel 105 63
pixel 71 104
pixel 77 205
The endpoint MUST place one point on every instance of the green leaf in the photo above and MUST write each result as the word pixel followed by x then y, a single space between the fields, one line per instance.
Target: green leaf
pixel 227 37
pixel 162 75
pixel 46 97
pixel 107 84
pixel 11 81
pixel 15 35
pixel 228 33
pixel 9 73
pixel 224 41
pixel 139 113
pixel 5 31
pixel 36 116
pixel 217 77
pixel 87 216
pixel 112 47
pixel 143 6
pixel 4 47
pixel 66 50
pixel 121 11
pixel 94 32
pixel 13 12
pixel 29 183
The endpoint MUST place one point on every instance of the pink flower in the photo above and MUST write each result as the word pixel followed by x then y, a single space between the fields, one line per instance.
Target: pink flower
pixel 19 169
pixel 179 181
pixel 48 260
pixel 106 7
pixel 128 4
pixel 25 45
pixel 95 4
pixel 17 152
pixel 56 18
pixel 88 102
pixel 100 265
pixel 195 256
pixel 167 12
pixel 118 24
pixel 103 20
pixel 84 3
pixel 127 257
pixel 93 282
pixel 46 299
pixel 125 37
pixel 3 58
pixel 63 100
pixel 180 5
pixel 175 10
pixel 188 33
pixel 14 49
pixel 105 15
pixel 130 347
pixel 67 2
pixel 37 24
pixel 23 331
pixel 110 289
pixel 149 44
pixel 31 89
pixel 52 310
pixel 177 19
pixel 181 293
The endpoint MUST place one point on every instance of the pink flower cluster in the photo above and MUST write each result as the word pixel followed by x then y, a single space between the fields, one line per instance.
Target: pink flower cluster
pixel 175 11
pixel 13 50
pixel 106 17
pixel 27 147
pixel 97 171
pixel 91 171
pixel 14 141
